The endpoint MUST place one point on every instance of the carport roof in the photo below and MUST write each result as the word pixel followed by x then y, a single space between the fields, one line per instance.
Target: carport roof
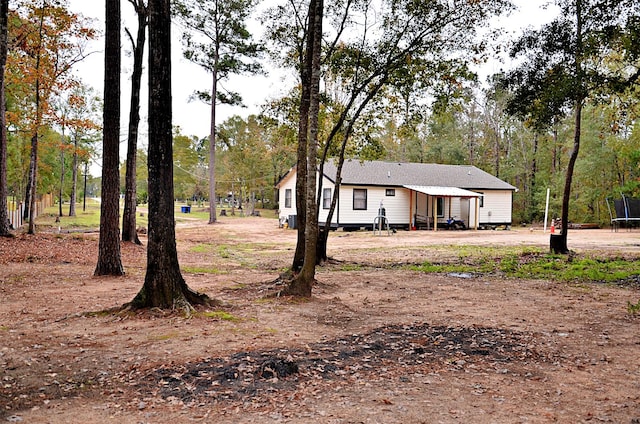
pixel 443 191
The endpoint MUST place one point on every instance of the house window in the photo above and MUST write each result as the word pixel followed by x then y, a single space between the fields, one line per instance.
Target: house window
pixel 390 192
pixel 287 198
pixel 359 199
pixel 440 206
pixel 326 198
pixel 480 200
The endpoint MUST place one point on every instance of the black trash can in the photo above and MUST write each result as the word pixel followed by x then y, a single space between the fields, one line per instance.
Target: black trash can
pixel 292 222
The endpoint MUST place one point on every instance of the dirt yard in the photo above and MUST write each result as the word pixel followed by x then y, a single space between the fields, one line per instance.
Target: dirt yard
pixel 376 343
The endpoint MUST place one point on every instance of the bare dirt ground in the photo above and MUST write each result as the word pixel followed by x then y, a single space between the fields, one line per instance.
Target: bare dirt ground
pixel 377 343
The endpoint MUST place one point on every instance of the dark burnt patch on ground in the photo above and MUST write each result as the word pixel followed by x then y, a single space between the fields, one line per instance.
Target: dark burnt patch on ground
pixel 391 351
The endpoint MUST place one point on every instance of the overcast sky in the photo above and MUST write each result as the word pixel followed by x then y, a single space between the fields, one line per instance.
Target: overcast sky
pixel 193 117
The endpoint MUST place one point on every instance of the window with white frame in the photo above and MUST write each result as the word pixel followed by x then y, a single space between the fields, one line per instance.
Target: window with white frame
pixel 359 199
pixel 326 198
pixel 287 198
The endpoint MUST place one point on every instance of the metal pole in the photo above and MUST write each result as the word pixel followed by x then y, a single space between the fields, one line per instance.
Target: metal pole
pixel 546 212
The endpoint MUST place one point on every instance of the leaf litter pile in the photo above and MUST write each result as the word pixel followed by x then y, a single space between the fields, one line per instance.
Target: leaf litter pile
pixel 392 352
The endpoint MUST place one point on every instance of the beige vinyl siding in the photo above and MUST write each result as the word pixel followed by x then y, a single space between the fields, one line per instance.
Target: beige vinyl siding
pixel 421 207
pixel 497 207
pixel 396 207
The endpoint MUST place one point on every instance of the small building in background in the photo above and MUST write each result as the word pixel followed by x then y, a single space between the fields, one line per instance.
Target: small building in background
pixel 409 195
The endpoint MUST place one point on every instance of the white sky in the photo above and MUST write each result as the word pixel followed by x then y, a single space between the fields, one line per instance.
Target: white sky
pixel 194 117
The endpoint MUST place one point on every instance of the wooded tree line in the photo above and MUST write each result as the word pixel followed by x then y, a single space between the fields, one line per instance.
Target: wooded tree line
pixel 466 123
pixel 391 81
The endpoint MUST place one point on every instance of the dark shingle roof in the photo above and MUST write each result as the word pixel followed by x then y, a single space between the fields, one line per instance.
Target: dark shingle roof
pixel 377 173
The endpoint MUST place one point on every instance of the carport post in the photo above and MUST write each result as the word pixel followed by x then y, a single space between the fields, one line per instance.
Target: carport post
pixel 410 209
pixel 434 205
pixel 477 203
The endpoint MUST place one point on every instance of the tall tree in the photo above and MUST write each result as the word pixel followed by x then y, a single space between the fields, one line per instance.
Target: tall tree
pixel 218 40
pixel 305 257
pixel 30 199
pixel 289 30
pixel 589 50
pixel 164 286
pixel 109 260
pixel 303 282
pixel 129 232
pixel 4 192
pixel 428 33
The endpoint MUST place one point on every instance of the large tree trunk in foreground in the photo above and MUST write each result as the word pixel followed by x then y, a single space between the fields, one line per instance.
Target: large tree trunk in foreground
pixel 302 283
pixel 4 192
pixel 109 262
pixel 163 286
pixel 301 167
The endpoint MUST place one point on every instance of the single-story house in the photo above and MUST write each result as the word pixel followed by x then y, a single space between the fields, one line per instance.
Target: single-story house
pixel 408 195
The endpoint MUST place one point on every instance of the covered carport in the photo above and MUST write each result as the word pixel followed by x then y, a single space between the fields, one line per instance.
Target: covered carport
pixel 435 192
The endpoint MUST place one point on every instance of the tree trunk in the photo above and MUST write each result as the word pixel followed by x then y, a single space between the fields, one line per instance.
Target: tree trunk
pixel 74 177
pixel 531 209
pixel 61 193
pixel 302 284
pixel 561 245
pixel 33 176
pixel 321 246
pixel 109 262
pixel 164 286
pixel 129 230
pixel 4 192
pixel 27 193
pixel 212 147
pixel 303 141
pixel 30 200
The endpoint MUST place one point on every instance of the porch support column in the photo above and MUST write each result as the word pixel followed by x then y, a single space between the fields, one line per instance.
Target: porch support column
pixel 477 213
pixel 410 209
pixel 434 206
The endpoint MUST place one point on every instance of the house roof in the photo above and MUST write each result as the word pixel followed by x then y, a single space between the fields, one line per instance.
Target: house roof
pixel 390 174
